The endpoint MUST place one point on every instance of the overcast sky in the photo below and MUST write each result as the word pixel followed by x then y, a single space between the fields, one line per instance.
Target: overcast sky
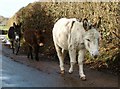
pixel 9 7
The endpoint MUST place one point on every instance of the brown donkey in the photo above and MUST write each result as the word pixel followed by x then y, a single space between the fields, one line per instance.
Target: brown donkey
pixel 34 39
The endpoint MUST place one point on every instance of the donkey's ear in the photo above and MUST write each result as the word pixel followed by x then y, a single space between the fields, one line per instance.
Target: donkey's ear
pixel 14 24
pixel 85 23
pixel 20 24
pixel 98 23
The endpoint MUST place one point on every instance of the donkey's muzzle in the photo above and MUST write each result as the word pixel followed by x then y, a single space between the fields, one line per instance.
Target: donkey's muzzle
pixel 17 38
pixel 95 54
pixel 41 44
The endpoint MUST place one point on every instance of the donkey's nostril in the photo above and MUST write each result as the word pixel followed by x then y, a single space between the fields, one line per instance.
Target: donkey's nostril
pixel 95 56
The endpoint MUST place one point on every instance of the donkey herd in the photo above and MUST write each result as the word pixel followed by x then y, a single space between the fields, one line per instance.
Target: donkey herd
pixel 69 35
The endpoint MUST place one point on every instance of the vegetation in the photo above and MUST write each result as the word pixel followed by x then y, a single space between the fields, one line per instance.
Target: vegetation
pixel 43 15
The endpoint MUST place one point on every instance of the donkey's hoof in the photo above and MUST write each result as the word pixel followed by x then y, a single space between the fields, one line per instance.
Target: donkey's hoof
pixel 83 78
pixel 70 71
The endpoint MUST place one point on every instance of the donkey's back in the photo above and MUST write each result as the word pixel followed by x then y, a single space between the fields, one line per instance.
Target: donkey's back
pixel 11 34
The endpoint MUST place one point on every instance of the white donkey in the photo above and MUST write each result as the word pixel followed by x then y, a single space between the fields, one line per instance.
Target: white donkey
pixel 75 36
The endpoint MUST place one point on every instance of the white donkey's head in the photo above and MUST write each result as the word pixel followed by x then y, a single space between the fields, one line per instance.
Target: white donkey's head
pixel 91 37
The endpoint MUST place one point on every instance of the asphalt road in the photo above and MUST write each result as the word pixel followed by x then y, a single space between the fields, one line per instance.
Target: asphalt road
pixel 15 74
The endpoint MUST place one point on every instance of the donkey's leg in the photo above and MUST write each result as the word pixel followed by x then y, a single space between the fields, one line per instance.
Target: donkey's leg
pixel 61 55
pixel 12 46
pixel 72 54
pixel 18 48
pixel 30 52
pixel 28 55
pixel 80 63
pixel 36 51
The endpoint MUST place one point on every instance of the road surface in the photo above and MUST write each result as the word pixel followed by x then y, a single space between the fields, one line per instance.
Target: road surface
pixel 15 74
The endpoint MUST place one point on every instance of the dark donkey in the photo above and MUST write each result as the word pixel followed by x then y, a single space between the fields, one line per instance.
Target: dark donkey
pixel 34 39
pixel 14 35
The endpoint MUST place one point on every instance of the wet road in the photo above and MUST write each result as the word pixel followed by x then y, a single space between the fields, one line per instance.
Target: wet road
pixel 15 74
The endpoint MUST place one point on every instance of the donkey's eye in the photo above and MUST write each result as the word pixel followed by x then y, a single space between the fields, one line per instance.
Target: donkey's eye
pixel 88 40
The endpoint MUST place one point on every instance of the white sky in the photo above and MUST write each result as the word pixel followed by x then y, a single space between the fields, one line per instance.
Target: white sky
pixel 9 7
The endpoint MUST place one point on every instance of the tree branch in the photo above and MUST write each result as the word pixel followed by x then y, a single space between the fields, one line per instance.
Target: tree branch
pixel 116 35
